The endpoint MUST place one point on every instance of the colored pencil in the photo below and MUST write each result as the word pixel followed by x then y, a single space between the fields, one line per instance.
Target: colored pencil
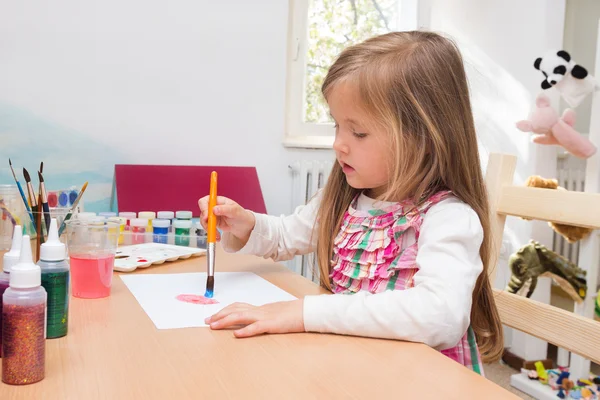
pixel 211 236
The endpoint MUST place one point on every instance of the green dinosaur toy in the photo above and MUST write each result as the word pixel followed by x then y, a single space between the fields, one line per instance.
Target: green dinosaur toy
pixel 534 260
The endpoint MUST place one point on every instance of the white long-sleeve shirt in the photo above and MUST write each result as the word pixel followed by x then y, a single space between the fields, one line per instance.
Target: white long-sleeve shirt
pixel 436 311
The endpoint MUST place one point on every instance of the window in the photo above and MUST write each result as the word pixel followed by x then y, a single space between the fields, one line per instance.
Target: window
pixel 320 30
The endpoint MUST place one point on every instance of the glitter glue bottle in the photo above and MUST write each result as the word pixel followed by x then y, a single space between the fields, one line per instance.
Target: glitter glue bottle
pixel 55 280
pixel 11 258
pixel 24 322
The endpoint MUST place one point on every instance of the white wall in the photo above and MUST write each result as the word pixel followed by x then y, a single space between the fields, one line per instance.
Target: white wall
pixel 145 81
pixel 581 31
pixel 500 41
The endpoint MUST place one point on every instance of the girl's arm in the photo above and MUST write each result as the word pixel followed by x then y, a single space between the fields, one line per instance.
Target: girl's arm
pixel 279 238
pixel 436 311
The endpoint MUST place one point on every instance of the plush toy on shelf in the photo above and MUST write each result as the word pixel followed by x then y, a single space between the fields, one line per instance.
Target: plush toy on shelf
pixel 561 72
pixel 570 232
pixel 534 261
pixel 549 128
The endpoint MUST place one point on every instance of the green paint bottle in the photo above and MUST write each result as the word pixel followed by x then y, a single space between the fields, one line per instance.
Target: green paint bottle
pixel 55 279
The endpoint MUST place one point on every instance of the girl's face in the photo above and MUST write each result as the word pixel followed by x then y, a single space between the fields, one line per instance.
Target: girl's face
pixel 363 152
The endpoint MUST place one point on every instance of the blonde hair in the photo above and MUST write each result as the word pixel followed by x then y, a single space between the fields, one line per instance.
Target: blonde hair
pixel 413 84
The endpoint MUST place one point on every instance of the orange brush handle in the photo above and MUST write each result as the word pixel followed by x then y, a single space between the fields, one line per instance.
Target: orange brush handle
pixel 212 202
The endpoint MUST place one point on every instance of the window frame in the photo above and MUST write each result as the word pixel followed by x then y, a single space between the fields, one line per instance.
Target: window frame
pixel 302 134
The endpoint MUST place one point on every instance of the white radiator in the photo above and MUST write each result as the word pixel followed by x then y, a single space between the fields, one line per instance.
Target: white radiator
pixel 308 176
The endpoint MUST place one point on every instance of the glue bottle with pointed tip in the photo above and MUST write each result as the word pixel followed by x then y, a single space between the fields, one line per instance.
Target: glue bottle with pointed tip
pixel 11 258
pixel 55 279
pixel 24 322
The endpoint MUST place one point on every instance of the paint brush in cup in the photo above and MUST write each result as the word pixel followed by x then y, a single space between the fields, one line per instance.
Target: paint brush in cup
pixel 44 196
pixel 63 225
pixel 22 193
pixel 211 232
pixel 32 197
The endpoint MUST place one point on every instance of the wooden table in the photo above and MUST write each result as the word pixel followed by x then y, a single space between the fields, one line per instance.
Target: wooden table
pixel 113 351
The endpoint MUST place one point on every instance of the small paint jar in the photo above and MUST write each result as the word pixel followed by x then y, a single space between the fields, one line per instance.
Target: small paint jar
pixel 160 230
pixel 170 215
pixel 149 215
pixel 182 232
pixel 129 216
pixel 200 236
pixel 183 215
pixel 138 228
pixel 122 223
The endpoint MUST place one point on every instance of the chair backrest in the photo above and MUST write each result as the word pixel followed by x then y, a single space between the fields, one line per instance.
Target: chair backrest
pixel 562 328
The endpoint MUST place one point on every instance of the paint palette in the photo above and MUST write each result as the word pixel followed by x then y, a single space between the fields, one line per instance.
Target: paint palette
pixel 129 258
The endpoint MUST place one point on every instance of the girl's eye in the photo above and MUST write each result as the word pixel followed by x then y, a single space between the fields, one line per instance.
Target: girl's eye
pixel 360 135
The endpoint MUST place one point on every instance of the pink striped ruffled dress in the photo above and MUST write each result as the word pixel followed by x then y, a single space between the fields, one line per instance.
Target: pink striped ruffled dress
pixel 370 254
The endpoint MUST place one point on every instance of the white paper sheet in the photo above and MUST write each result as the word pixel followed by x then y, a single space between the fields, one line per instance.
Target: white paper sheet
pixel 157 294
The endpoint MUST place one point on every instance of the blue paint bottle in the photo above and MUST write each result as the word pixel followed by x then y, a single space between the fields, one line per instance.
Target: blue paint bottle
pixel 160 230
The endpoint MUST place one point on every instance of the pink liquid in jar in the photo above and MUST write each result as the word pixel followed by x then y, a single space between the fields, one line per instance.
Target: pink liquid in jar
pixel 91 277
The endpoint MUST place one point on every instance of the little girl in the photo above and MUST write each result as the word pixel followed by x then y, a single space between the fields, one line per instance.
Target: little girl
pixel 401 230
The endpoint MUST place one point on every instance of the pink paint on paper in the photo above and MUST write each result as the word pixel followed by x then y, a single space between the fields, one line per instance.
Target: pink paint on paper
pixel 196 299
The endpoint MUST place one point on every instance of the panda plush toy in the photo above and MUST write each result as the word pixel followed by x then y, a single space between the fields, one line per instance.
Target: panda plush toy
pixel 572 80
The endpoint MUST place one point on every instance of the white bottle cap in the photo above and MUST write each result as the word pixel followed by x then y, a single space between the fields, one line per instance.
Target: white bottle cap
pixel 12 257
pixel 147 214
pixel 25 274
pixel 182 223
pixel 183 214
pixel 165 215
pixel 52 249
pixel 139 222
pixel 108 214
pixel 118 220
pixel 128 215
pixel 161 223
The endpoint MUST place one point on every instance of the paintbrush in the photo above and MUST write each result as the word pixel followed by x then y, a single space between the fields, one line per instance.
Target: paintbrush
pixel 22 193
pixel 40 233
pixel 32 197
pixel 63 225
pixel 44 196
pixel 211 231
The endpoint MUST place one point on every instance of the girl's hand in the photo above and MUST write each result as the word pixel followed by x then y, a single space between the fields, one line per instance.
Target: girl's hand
pixel 231 217
pixel 280 317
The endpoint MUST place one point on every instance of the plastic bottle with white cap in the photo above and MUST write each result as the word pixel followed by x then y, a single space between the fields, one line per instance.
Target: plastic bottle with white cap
pixel 24 322
pixel 10 258
pixel 55 279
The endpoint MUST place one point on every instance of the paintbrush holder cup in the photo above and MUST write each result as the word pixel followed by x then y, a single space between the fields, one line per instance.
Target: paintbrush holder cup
pixel 12 211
